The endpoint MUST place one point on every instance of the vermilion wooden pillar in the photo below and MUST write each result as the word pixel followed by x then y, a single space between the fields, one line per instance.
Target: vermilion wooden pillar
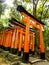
pixel 32 43
pixel 23 40
pixel 25 57
pixel 16 41
pixel 20 44
pixel 42 44
pixel 10 39
pixel 4 40
pixel 13 42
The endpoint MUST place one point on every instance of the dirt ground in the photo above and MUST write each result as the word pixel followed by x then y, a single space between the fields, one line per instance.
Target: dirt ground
pixel 7 58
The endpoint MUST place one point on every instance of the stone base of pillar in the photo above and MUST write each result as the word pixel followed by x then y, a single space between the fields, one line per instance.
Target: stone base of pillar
pixel 25 58
pixel 19 53
pixel 42 56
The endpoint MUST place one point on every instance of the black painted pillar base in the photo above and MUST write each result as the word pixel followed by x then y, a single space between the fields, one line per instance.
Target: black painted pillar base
pixel 19 53
pixel 30 51
pixel 33 53
pixel 25 58
pixel 6 48
pixel 22 49
pixel 13 51
pixel 0 46
pixel 3 48
pixel 42 56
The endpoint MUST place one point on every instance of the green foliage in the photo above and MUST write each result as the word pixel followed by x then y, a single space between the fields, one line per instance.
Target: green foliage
pixel 42 12
pixel 2 8
pixel 27 1
pixel 45 0
pixel 46 37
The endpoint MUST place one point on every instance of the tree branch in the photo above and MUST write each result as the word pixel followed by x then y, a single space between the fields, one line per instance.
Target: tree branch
pixel 42 9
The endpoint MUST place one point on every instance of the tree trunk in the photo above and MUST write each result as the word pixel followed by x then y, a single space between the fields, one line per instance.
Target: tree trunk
pixel 36 30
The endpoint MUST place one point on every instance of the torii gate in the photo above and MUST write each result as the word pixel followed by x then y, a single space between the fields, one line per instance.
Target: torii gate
pixel 37 24
pixel 21 28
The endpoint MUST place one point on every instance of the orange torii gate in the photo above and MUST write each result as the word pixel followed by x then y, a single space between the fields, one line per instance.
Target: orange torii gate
pixel 20 30
pixel 27 17
pixel 6 39
pixel 9 40
pixel 3 39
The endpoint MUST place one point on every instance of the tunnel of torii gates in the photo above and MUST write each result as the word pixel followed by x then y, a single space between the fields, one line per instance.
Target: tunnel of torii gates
pixel 20 37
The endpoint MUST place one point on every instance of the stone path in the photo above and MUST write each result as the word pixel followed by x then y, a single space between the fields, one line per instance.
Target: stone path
pixel 7 58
